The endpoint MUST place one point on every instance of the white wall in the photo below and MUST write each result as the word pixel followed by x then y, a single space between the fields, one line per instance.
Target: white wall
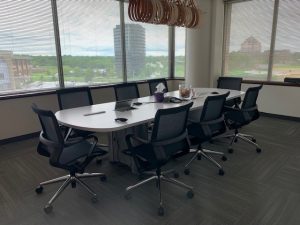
pixel 280 100
pixel 198 45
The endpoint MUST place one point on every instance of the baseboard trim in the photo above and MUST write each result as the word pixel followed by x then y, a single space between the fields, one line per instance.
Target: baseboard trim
pixel 292 118
pixel 19 138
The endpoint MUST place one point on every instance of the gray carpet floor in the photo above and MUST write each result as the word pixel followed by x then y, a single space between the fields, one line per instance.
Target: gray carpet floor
pixel 257 189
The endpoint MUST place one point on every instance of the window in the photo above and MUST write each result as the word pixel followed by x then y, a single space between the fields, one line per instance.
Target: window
pixel 146 50
pixel 180 51
pixel 262 39
pixel 287 49
pixel 88 41
pixel 27 46
pixel 248 38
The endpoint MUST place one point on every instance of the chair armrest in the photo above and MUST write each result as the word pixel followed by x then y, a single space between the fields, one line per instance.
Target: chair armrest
pixel 47 142
pixel 192 121
pixel 74 141
pixel 131 137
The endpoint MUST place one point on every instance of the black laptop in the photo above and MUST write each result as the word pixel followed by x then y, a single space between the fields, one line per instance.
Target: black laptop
pixel 124 105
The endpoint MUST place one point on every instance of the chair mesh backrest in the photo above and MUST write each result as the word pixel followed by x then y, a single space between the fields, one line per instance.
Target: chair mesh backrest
pixel 74 97
pixel 292 80
pixel 51 130
pixel 232 83
pixel 154 83
pixel 126 91
pixel 213 107
pixel 170 123
pixel 251 97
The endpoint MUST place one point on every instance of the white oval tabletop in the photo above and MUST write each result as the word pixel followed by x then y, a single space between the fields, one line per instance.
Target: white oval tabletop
pixel 104 121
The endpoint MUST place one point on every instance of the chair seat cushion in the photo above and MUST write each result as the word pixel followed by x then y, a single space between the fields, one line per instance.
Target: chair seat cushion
pixel 202 135
pixel 145 157
pixel 73 154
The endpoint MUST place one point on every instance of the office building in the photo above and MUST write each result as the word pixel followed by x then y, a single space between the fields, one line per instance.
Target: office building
pixel 135 42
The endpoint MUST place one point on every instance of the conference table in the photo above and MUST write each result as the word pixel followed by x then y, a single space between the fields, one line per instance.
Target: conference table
pixel 100 118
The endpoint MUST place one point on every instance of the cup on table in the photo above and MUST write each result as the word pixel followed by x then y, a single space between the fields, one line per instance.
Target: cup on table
pixel 159 96
pixel 185 90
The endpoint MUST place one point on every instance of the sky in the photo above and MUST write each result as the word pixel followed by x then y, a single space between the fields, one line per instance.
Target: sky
pixel 254 18
pixel 86 28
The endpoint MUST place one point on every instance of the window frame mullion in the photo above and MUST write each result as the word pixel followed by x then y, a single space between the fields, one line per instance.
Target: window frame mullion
pixel 273 40
pixel 57 44
pixel 171 52
pixel 123 41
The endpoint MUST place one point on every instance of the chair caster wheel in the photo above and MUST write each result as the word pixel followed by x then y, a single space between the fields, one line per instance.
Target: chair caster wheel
pixel 211 141
pixel 176 174
pixel 221 172
pixel 73 184
pixel 186 171
pixel 190 194
pixel 99 162
pixel 127 196
pixel 235 140
pixel 224 158
pixel 103 178
pixel 258 150
pixel 39 189
pixel 230 150
pixel 253 140
pixel 94 199
pixel 48 208
pixel 161 211
pixel 199 157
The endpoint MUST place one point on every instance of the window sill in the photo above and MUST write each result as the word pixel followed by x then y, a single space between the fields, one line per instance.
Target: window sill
pixel 34 93
pixel 274 83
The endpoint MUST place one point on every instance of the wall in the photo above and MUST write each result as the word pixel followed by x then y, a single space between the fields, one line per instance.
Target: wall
pixel 198 45
pixel 17 118
pixel 280 100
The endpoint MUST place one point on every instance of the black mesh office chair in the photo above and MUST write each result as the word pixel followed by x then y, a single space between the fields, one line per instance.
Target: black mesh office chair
pixel 232 83
pixel 210 124
pixel 71 98
pixel 155 82
pixel 237 118
pixel 126 91
pixel 166 142
pixel 72 155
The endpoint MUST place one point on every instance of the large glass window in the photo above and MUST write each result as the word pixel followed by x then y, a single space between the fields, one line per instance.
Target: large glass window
pixel 180 51
pixel 287 45
pixel 248 38
pixel 88 43
pixel 91 45
pixel 27 46
pixel 146 49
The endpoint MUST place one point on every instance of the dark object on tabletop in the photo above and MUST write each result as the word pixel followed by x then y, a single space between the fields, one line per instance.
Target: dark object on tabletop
pixel 210 124
pixel 166 143
pixel 292 80
pixel 237 118
pixel 126 91
pixel 72 155
pixel 232 83
pixel 153 83
pixel 159 96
